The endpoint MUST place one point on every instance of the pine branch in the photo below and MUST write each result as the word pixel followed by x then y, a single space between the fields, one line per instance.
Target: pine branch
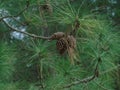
pixel 14 29
pixel 26 33
pixel 85 80
pixel 76 27
pixel 88 79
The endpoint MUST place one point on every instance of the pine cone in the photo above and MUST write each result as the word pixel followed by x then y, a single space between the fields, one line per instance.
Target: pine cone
pixel 57 36
pixel 61 45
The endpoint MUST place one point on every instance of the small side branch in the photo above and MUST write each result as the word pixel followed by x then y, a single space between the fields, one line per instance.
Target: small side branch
pixel 76 27
pixel 26 33
pixel 88 79
pixel 85 80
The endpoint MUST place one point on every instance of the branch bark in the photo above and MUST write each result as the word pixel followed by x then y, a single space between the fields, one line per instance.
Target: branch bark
pixel 85 80
pixel 26 33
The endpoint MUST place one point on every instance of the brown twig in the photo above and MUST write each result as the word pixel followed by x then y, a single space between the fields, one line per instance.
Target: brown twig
pixel 85 80
pixel 76 27
pixel 80 81
pixel 14 29
pixel 26 33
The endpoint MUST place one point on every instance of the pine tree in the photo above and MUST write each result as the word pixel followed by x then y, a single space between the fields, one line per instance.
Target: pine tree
pixel 59 45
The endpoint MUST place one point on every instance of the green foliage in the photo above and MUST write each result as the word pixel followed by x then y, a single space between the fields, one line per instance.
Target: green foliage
pixel 7 59
pixel 32 64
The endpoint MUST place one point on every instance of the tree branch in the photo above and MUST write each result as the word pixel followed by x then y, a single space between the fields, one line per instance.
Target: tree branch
pixel 85 80
pixel 14 29
pixel 88 79
pixel 26 33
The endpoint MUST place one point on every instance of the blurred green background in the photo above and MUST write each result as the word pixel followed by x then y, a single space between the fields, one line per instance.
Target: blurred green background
pixel 34 64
